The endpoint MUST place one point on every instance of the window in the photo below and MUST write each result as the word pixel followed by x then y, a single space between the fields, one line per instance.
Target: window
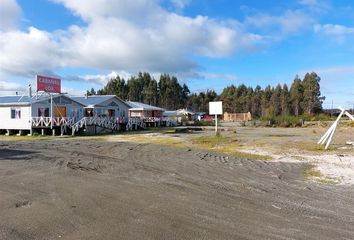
pixel 15 113
pixel 43 112
pixel 111 112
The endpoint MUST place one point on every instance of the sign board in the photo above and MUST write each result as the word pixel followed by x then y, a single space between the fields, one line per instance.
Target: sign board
pixel 48 84
pixel 215 108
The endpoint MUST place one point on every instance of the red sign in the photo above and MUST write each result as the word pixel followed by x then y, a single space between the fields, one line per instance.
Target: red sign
pixel 48 84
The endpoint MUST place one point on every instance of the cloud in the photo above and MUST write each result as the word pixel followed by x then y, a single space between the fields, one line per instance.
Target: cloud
pixel 100 79
pixel 180 4
pixel 333 29
pixel 289 23
pixel 28 53
pixel 10 86
pixel 10 14
pixel 336 70
pixel 114 38
pixel 339 33
pixel 217 76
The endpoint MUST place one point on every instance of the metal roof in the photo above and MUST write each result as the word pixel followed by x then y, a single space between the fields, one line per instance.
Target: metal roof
pixel 142 106
pixel 26 100
pixel 15 99
pixel 95 100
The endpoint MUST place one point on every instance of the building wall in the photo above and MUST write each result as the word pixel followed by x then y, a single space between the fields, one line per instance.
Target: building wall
pixel 73 109
pixel 120 108
pixel 237 117
pixel 136 113
pixel 23 123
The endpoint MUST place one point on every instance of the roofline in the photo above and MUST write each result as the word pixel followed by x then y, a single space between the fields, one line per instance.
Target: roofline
pixel 59 95
pixel 142 109
pixel 94 105
pixel 15 104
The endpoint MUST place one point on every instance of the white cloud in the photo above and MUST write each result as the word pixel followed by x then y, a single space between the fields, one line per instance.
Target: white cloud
pixel 116 39
pixel 338 33
pixel 11 86
pixel 290 22
pixel 99 79
pixel 28 53
pixel 10 14
pixel 217 76
pixel 336 70
pixel 333 29
pixel 180 4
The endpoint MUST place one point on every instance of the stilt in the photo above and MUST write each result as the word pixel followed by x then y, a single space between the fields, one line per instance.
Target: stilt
pixel 20 133
pixel 42 131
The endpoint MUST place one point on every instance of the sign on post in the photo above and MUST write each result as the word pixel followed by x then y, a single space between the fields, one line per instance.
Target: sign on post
pixel 215 108
pixel 48 84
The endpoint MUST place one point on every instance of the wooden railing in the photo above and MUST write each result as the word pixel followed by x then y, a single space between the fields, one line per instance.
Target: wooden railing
pixel 52 122
pixel 105 122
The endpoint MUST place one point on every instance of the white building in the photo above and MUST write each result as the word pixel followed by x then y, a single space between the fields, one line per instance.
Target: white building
pixel 25 113
pixel 104 106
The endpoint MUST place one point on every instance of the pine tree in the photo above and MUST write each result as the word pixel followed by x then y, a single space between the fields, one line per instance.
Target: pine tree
pixel 265 104
pixel 275 107
pixel 285 100
pixel 256 108
pixel 312 95
pixel 296 96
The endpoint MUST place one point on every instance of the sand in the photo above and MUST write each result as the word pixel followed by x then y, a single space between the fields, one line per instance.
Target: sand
pixel 92 188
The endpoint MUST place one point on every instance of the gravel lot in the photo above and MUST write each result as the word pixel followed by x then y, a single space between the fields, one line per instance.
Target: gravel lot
pixel 108 188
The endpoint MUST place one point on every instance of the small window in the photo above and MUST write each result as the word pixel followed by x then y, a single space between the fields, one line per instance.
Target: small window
pixel 15 113
pixel 43 112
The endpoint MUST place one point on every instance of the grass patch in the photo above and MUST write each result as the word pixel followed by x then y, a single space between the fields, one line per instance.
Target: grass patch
pixel 226 145
pixel 212 140
pixel 311 173
pixel 22 138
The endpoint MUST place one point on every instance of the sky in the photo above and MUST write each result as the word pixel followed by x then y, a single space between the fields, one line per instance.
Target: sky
pixel 207 44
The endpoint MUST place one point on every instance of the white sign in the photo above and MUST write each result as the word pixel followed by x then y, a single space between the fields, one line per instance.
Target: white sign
pixel 215 108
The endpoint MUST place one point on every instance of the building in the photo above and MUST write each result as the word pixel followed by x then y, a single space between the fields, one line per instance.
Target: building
pixel 237 117
pixel 104 106
pixel 26 114
pixel 102 113
pixel 150 115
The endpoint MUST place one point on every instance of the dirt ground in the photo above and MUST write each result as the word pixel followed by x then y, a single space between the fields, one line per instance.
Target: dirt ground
pixel 146 186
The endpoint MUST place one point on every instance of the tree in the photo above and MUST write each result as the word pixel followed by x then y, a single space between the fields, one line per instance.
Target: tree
pixel 256 108
pixel 275 107
pixel 265 104
pixel 296 96
pixel 91 92
pixel 285 100
pixel 312 102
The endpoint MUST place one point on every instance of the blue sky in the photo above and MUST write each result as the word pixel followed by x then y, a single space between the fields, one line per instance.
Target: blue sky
pixel 208 44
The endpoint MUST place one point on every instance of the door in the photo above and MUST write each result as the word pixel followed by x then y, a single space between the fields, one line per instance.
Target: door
pixel 59 111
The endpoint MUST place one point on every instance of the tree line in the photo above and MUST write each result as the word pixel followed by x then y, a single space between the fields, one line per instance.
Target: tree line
pixel 303 96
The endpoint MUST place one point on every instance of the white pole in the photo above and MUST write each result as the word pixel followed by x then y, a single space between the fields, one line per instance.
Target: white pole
pixel 216 124
pixel 329 131
pixel 51 111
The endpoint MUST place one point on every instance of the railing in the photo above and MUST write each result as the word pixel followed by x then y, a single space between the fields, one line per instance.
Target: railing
pixel 52 122
pixel 135 122
pixel 141 122
pixel 151 119
pixel 109 123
